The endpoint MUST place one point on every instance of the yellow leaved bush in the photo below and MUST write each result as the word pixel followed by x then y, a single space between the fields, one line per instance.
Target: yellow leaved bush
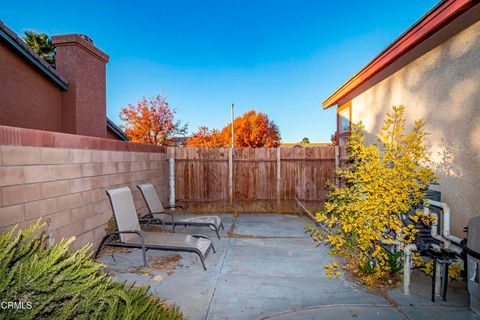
pixel 381 183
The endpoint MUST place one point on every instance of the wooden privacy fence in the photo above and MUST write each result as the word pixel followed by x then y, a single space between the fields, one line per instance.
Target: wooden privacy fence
pixel 250 179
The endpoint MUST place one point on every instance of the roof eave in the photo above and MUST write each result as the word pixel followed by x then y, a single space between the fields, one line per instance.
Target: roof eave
pixel 13 40
pixel 112 126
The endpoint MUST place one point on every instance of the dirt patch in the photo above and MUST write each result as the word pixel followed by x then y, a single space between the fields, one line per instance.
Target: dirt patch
pixel 107 251
pixel 354 274
pixel 166 264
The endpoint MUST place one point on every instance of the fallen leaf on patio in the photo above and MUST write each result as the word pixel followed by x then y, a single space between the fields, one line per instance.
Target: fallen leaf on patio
pixel 158 278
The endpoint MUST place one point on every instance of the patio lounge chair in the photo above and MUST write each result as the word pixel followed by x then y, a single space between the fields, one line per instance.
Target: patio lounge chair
pixel 158 212
pixel 130 235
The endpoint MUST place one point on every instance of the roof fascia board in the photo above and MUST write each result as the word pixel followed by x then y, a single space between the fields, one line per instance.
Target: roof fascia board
pixel 112 126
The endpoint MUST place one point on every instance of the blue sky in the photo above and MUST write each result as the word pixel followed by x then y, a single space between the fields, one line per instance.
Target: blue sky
pixel 280 57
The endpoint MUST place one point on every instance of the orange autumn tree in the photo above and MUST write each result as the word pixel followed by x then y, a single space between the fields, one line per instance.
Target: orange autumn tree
pixel 252 129
pixel 151 121
pixel 206 138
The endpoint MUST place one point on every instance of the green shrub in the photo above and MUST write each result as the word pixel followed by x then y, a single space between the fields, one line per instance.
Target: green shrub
pixel 367 212
pixel 54 283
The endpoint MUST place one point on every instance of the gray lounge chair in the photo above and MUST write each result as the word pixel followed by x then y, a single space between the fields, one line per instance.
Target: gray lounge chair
pixel 160 215
pixel 130 235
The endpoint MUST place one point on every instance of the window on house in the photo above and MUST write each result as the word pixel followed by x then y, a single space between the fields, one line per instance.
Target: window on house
pixel 344 115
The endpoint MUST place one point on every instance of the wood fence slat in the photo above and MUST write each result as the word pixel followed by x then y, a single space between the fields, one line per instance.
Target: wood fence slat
pixel 202 174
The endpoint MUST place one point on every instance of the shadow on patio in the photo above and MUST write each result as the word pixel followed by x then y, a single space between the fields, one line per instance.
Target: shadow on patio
pixel 266 267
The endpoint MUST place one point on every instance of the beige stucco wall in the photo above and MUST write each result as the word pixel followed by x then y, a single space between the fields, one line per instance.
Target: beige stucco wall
pixel 443 87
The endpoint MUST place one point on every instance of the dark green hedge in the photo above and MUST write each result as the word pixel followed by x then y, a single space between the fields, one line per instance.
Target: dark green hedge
pixel 53 283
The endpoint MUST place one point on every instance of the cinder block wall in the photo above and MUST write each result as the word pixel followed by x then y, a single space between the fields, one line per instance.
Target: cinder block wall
pixel 66 187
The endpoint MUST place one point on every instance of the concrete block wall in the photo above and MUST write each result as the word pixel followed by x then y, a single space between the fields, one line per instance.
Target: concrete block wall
pixel 66 187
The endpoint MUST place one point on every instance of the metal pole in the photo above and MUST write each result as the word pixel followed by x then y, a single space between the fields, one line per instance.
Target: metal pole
pixel 171 162
pixel 279 181
pixel 337 165
pixel 233 140
pixel 230 175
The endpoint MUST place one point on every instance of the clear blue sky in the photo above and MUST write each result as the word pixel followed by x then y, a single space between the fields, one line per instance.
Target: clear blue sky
pixel 280 57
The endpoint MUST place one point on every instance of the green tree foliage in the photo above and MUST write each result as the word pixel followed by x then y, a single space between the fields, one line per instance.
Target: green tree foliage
pixel 58 284
pixel 305 140
pixel 42 45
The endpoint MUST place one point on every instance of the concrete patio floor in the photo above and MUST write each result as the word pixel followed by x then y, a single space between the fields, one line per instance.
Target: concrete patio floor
pixel 266 267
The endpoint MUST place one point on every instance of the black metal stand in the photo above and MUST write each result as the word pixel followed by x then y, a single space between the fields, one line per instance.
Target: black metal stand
pixel 444 257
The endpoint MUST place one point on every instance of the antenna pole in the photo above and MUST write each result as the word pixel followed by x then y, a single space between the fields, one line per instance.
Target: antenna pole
pixel 233 140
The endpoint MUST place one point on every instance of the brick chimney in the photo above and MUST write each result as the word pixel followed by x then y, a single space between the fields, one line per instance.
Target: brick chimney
pixel 84 67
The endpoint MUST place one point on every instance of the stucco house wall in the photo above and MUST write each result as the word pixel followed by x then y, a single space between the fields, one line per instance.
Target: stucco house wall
pixel 69 98
pixel 28 98
pixel 442 86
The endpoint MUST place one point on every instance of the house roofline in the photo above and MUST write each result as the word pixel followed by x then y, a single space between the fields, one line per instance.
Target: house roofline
pixel 116 129
pixel 431 22
pixel 18 45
